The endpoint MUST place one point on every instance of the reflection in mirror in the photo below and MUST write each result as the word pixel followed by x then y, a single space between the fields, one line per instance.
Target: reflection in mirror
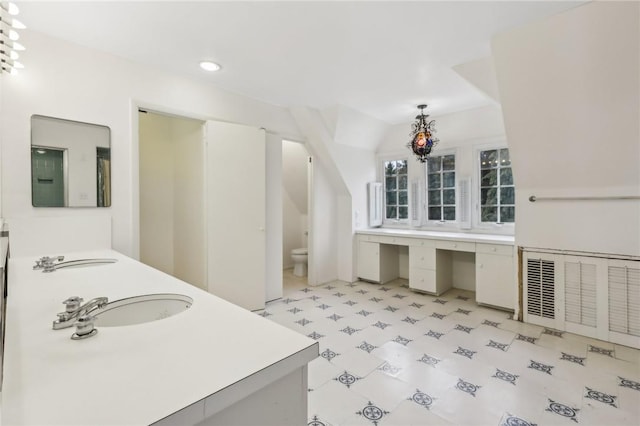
pixel 70 163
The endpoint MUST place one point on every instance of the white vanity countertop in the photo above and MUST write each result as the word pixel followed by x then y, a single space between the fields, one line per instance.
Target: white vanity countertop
pixel 440 235
pixel 135 374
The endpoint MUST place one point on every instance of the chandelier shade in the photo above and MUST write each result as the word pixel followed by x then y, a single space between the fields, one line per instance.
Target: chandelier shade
pixel 422 140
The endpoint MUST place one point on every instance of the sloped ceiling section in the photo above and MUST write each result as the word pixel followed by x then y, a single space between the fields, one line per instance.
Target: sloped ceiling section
pixel 354 128
pixel 482 74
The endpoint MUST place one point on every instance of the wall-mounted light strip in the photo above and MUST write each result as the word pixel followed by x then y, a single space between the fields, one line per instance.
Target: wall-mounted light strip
pixel 9 46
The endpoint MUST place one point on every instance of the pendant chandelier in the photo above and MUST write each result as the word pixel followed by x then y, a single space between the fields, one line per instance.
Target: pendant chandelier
pixel 422 139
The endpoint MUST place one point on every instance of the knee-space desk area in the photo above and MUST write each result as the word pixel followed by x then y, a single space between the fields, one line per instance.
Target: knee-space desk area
pixel 435 262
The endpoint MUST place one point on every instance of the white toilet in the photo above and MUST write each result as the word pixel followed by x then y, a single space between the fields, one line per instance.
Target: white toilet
pixel 299 257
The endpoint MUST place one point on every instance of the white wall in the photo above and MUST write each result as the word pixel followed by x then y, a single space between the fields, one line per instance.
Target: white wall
pixel 61 79
pixel 345 168
pixel 294 198
pixel 291 230
pixel 324 226
pixel 570 91
pixel 463 134
pixel 172 236
pixel 156 192
pixel 274 222
pixel 189 254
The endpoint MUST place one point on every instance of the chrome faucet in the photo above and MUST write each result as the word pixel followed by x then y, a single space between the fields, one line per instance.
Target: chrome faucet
pixel 49 266
pixel 75 310
pixel 45 261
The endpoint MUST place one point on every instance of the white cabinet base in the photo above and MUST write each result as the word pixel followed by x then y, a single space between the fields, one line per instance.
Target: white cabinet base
pixel 494 280
pixel 433 281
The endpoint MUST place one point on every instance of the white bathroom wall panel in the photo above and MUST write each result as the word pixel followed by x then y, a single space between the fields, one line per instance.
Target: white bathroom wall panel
pixel 274 215
pixel 157 191
pixel 50 85
pixel 295 195
pixel 172 239
pixel 189 243
pixel 324 225
pixel 236 213
pixel 52 236
pixel 463 266
pixel 292 229
pixel 572 126
pixel 294 173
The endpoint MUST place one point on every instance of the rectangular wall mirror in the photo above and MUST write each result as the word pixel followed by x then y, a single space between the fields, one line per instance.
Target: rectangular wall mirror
pixel 70 163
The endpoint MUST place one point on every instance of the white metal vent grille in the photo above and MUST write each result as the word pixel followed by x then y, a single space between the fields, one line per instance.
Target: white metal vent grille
pixel 464 203
pixel 416 203
pixel 580 293
pixel 541 288
pixel 624 300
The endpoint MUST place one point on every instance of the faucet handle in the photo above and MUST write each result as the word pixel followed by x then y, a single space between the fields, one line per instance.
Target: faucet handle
pixel 44 261
pixel 84 327
pixel 72 303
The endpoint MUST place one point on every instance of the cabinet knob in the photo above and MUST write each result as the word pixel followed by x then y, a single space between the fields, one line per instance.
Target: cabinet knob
pixel 481 266
pixel 455 245
pixel 493 249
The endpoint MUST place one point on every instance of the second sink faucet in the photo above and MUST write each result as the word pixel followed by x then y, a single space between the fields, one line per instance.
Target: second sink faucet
pixel 46 261
pixel 74 310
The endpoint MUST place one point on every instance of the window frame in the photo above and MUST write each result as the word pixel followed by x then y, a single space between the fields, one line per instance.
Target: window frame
pixel 507 228
pixel 382 178
pixel 442 223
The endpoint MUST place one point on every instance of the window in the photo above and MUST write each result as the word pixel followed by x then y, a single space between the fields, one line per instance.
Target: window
pixel 396 190
pixel 497 193
pixel 441 188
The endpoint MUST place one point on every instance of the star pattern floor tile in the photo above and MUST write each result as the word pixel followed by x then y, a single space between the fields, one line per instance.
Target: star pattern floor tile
pixel 391 356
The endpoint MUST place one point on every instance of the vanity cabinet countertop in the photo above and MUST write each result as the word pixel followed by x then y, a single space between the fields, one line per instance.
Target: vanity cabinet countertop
pixel 189 366
pixel 437 235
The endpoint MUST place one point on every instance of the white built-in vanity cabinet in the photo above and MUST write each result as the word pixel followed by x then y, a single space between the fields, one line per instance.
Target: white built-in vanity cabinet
pixel 432 259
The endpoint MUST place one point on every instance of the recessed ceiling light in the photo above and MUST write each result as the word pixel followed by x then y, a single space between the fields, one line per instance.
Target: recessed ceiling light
pixel 209 66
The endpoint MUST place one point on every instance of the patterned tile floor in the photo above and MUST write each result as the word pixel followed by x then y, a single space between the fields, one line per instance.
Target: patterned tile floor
pixel 390 356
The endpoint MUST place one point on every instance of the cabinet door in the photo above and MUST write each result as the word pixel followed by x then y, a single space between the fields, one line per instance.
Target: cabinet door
pixel 495 281
pixel 423 280
pixel 422 257
pixel 369 261
pixel 236 216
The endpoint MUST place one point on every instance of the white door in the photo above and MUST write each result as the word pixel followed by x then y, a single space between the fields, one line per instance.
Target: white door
pixel 236 213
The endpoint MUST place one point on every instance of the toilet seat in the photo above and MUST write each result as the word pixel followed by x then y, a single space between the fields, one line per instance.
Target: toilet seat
pixel 299 251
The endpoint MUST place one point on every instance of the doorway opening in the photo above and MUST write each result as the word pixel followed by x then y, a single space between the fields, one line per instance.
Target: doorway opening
pixel 172 211
pixel 296 164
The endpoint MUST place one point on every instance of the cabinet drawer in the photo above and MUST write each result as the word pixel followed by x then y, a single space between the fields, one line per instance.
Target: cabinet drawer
pixel 370 238
pixel 504 250
pixel 456 245
pixel 422 279
pixel 421 242
pixel 422 257
pixel 387 239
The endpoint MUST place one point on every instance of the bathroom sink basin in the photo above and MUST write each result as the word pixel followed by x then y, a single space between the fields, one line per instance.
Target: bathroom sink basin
pixel 141 309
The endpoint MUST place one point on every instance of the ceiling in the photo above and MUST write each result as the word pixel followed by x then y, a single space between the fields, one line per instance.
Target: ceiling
pixel 379 57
